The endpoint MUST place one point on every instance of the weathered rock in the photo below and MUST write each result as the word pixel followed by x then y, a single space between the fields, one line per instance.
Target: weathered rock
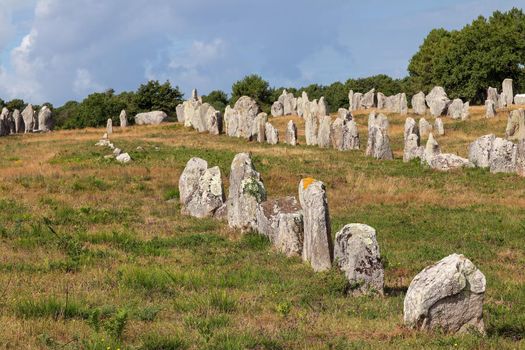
pixel 259 128
pixel 351 136
pixel 344 114
pixel 490 109
pixel 425 127
pixel 438 101
pixel 45 119
pixel 515 129
pixel 492 94
pixel 28 115
pixel 323 137
pixel 310 129
pixel 150 118
pixel 247 110
pixel 272 135
pixel 502 102
pixel 479 151
pixel 291 133
pixel 448 161
pixel 282 221
pixel 403 104
pixel 356 101
pixel 520 158
pixel 179 110
pixel 4 122
pixel 439 127
pixel 322 107
pixel 288 101
pixel 123 158
pixel 455 109
pixel 381 100
pixel 302 102
pixel 502 156
pixel 418 103
pixel 378 144
pixel 519 99
pixel 215 122
pixel 109 126
pixel 318 245
pixel 466 111
pixel 368 99
pixel 245 193
pixel 393 103
pixel 410 128
pixel 277 109
pixel 337 134
pixel 200 188
pixel 19 122
pixel 432 149
pixel 412 149
pixel 123 117
pixel 356 252
pixel 447 296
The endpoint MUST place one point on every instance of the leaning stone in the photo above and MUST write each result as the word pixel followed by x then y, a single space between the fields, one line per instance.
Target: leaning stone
pixel 245 193
pixel 45 120
pixel 356 252
pixel 272 135
pixel 447 296
pixel 277 109
pixel 123 117
pixel 109 126
pixel 123 158
pixel 479 151
pixel 515 129
pixel 418 103
pixel 438 126
pixel 490 109
pixel 502 156
pixel 424 127
pixel 150 118
pixel 318 245
pixel 323 138
pixel 291 133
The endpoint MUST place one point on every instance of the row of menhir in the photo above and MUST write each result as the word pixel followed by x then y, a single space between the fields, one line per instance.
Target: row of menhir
pixel 28 120
pixel 447 295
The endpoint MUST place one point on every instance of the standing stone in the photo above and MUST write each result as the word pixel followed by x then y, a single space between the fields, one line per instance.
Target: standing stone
pixel 368 99
pixel 479 151
pixel 344 114
pixel 378 144
pixel 45 121
pixel 418 103
pixel 123 119
pixel 109 127
pixel 277 109
pixel 438 101
pixel 466 111
pixel 356 101
pixel 302 102
pixel 322 107
pixel 520 158
pixel 492 95
pixel 515 129
pixel 502 156
pixel 200 188
pixel 455 110
pixel 179 110
pixel 356 253
pixel 291 133
pixel 432 149
pixel 28 115
pixel 412 149
pixel 410 128
pixel 247 110
pixel 310 129
pixel 323 138
pixel 259 128
pixel 490 109
pixel 403 104
pixel 381 100
pixel 272 135
pixel 519 99
pixel 288 102
pixel 438 126
pixel 337 134
pixel 502 102
pixel 447 295
pixel 425 127
pixel 245 193
pixel 150 118
pixel 19 122
pixel 318 245
pixel 351 137
pixel 215 122
pixel 281 220
pixel 508 91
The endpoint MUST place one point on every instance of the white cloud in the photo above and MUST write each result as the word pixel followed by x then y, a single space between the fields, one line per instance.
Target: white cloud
pixel 84 83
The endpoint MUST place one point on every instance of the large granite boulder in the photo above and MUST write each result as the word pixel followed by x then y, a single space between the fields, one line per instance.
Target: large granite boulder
pixel 368 99
pixel 351 136
pixel 418 103
pixel 246 192
pixel 455 109
pixel 515 129
pixel 45 119
pixel 438 101
pixel 150 118
pixel 288 102
pixel 318 245
pixel 200 188
pixel 378 144
pixel 247 110
pixel 502 156
pixel 479 151
pixel 448 161
pixel 519 99
pixel 179 111
pixel 281 220
pixel 323 137
pixel 447 296
pixel 356 252
pixel 291 133
pixel 272 134
pixel 28 115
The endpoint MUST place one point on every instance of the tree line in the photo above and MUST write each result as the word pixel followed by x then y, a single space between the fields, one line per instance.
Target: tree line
pixel 465 62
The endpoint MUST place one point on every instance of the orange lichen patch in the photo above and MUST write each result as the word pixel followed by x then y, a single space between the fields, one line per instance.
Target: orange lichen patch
pixel 307 182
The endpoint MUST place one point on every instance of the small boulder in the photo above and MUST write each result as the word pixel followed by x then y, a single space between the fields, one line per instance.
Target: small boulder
pixel 123 158
pixel 150 118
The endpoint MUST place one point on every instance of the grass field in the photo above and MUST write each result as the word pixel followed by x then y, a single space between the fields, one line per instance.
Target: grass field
pixel 95 254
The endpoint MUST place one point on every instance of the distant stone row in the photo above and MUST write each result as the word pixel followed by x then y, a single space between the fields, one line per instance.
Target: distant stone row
pixel 447 295
pixel 25 122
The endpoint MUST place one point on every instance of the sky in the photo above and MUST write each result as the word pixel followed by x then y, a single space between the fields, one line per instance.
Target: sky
pixel 60 50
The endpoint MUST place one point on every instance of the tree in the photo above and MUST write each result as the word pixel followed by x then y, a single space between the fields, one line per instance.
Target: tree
pixel 16 104
pixel 155 96
pixel 218 99
pixel 255 87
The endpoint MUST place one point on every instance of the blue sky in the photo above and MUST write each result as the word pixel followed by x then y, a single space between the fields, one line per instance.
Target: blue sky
pixel 58 50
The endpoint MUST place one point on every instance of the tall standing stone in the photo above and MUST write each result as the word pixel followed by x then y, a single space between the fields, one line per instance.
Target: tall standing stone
pixel 28 115
pixel 245 193
pixel 344 114
pixel 515 129
pixel 322 106
pixel 368 99
pixel 418 103
pixel 455 110
pixel 323 137
pixel 490 109
pixel 272 135
pixel 247 110
pixel 351 139
pixel 438 101
pixel 447 295
pixel 259 128
pixel 45 121
pixel 432 149
pixel 410 128
pixel 381 100
pixel 310 129
pixel 466 111
pixel 318 245
pixel 356 253
pixel 403 104
pixel 425 127
pixel 109 127
pixel 378 144
pixel 502 156
pixel 123 119
pixel 520 158
pixel 412 149
pixel 291 133
pixel 215 122
pixel 19 122
pixel 479 151
pixel 492 94
pixel 356 101
pixel 439 127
